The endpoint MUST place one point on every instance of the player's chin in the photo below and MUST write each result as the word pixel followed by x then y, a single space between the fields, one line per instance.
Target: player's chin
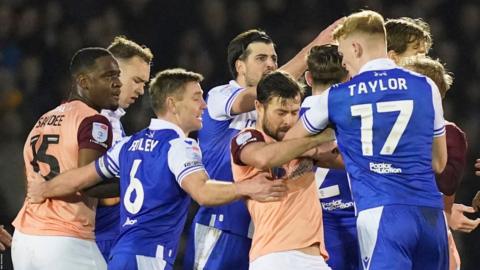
pixel 199 123
pixel 113 105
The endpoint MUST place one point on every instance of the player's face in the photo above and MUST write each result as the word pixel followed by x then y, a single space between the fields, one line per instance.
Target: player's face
pixel 261 60
pixel 134 75
pixel 105 84
pixel 189 110
pixel 414 48
pixel 279 115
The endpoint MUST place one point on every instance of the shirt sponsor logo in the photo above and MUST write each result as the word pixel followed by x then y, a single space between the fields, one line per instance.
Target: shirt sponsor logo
pixel 336 205
pixel 129 222
pixel 100 132
pixel 384 168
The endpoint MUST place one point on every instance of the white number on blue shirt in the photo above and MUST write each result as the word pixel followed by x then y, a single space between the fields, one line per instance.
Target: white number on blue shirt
pixel 405 107
pixel 135 185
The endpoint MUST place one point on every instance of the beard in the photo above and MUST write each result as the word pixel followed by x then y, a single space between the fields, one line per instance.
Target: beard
pixel 272 132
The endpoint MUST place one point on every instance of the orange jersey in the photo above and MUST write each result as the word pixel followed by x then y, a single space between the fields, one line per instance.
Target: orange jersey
pixel 290 224
pixel 52 148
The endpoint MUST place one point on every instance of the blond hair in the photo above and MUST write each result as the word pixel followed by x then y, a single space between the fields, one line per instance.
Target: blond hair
pixel 366 21
pixel 431 68
pixel 124 48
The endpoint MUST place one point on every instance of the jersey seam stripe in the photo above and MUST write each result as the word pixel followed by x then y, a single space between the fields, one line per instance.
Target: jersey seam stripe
pixel 104 175
pixel 188 171
pixel 308 125
pixel 230 100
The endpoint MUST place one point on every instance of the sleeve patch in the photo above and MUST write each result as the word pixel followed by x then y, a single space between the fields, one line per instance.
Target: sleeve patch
pixel 99 132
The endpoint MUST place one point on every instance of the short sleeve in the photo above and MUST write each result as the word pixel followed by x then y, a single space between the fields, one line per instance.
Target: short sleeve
pixel 315 119
pixel 95 132
pixel 108 165
pixel 439 123
pixel 243 139
pixel 220 101
pixel 184 158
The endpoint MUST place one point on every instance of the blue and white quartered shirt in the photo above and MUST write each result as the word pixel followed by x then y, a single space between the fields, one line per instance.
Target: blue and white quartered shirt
pixel 151 166
pixel 385 119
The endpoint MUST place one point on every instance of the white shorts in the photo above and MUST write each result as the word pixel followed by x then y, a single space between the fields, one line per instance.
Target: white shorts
pixel 35 252
pixel 287 260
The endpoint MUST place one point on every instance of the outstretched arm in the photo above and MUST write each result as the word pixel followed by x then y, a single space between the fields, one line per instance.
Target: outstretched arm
pixel 63 184
pixel 211 193
pixel 259 154
pixel 298 64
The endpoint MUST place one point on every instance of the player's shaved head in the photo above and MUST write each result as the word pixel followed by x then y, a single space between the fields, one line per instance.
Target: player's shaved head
pixel 85 58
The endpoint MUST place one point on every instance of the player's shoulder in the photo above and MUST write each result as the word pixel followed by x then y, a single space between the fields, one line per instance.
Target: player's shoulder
pixel 309 101
pixel 453 129
pixel 182 142
pixel 224 90
pixel 248 135
pixel 181 148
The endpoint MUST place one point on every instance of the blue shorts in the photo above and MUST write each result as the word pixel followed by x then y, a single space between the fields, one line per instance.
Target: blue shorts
pixel 341 242
pixel 209 248
pixel 127 261
pixel 403 237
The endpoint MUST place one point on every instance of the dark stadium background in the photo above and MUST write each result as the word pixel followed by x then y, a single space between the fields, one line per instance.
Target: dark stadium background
pixel 37 39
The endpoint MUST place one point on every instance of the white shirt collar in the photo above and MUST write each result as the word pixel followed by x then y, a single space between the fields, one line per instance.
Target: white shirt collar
pixel 158 124
pixel 118 113
pixel 378 64
pixel 235 84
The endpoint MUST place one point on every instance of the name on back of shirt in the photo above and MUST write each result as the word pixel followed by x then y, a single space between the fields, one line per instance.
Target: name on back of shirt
pixel 381 84
pixel 146 145
pixel 50 120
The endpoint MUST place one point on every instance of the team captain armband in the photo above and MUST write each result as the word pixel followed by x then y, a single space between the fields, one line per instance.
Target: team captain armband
pixel 241 140
pixel 95 132
pixel 184 158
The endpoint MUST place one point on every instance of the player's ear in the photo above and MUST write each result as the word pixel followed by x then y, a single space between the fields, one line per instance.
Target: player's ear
pixel 357 49
pixel 258 106
pixel 393 55
pixel 83 81
pixel 240 66
pixel 171 106
pixel 308 78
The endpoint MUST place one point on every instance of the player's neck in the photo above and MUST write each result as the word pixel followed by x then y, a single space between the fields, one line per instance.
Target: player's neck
pixel 76 96
pixel 174 120
pixel 318 89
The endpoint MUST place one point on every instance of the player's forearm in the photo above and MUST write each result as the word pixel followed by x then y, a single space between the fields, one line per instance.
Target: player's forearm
pixel 105 189
pixel 214 193
pixel 277 154
pixel 298 64
pixel 245 101
pixel 71 181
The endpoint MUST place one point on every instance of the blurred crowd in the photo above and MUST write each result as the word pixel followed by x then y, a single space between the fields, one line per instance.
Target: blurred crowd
pixel 38 38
